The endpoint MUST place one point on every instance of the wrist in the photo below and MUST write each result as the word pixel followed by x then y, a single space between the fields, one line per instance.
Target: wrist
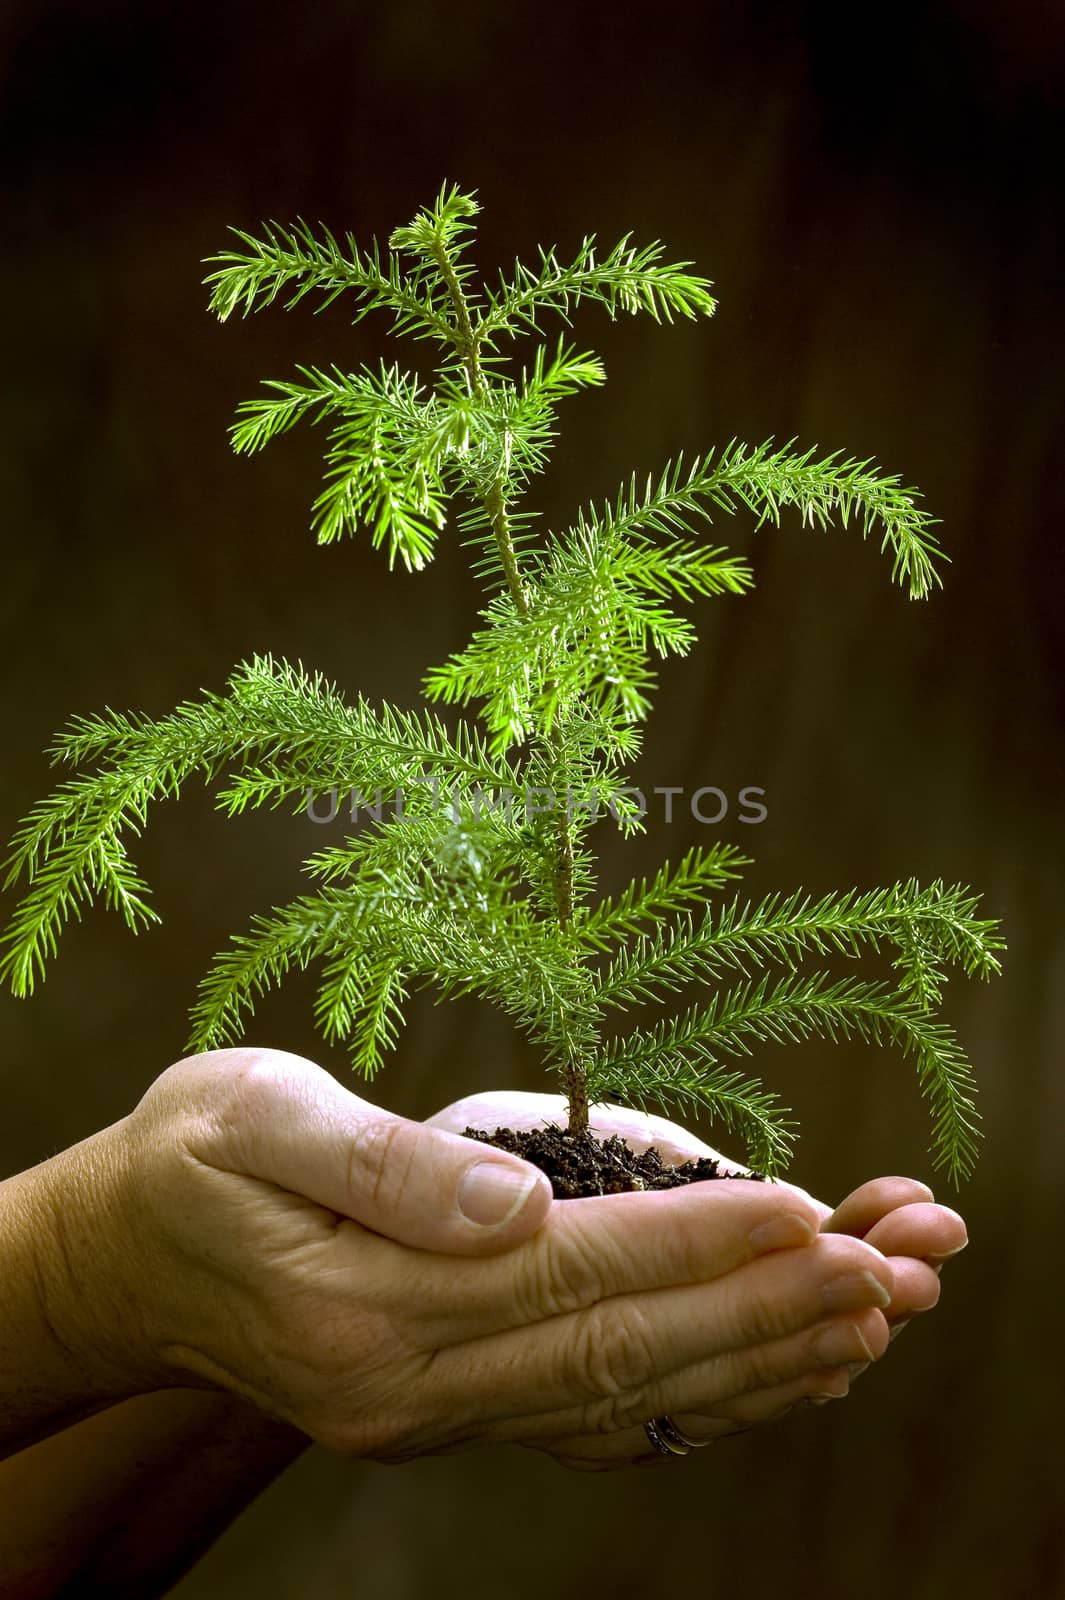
pixel 88 1270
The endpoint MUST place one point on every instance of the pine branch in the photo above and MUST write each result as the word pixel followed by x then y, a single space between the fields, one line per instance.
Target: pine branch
pixel 525 412
pixel 394 458
pixel 264 419
pixel 444 829
pixel 374 1028
pixel 359 930
pixel 360 1001
pixel 382 927
pixel 259 961
pixel 796 1008
pixel 384 470
pixel 390 454
pixel 924 926
pixel 626 279
pixel 594 612
pixel 673 888
pixel 290 730
pixel 254 278
pixel 765 481
pixel 445 225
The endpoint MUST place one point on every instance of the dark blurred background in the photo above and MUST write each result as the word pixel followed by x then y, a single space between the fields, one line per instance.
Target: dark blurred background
pixel 875 193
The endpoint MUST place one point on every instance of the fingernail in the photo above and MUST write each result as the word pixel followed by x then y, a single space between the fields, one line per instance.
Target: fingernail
pixel 826 1395
pixel 840 1378
pixel 782 1233
pixel 853 1290
pixel 945 1255
pixel 841 1344
pixel 491 1194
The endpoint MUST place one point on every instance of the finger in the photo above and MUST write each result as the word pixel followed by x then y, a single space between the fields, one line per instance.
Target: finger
pixel 823 1211
pixel 815 1387
pixel 594 1249
pixel 607 1363
pixel 735 1387
pixel 917 1288
pixel 806 1362
pixel 872 1201
pixel 932 1231
pixel 523 1110
pixel 288 1122
pixel 631 1446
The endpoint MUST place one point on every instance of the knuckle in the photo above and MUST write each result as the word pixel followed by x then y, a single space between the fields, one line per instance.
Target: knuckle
pixel 244 1081
pixel 759 1366
pixel 225 1078
pixel 614 1357
pixel 569 1277
pixel 766 1366
pixel 233 1102
pixel 379 1161
pixel 756 1313
pixel 687 1248
pixel 243 1069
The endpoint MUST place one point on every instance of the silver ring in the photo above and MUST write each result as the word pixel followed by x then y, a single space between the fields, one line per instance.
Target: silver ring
pixel 668 1439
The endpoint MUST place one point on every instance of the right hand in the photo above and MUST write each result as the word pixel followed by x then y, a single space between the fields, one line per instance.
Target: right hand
pixel 897 1215
pixel 269 1233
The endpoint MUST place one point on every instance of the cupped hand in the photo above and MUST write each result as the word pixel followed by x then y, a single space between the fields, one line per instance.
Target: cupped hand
pixel 896 1216
pixel 253 1226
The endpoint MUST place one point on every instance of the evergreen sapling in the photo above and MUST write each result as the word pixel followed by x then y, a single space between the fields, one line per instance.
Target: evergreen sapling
pixel 481 879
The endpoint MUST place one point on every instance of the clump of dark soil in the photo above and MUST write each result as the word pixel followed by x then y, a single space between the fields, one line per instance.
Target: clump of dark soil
pixel 579 1164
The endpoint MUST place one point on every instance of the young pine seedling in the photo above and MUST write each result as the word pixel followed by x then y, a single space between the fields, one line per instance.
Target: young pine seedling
pixel 480 877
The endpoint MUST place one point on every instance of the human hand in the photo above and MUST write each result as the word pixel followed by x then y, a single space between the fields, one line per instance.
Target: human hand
pixel 217 1222
pixel 895 1215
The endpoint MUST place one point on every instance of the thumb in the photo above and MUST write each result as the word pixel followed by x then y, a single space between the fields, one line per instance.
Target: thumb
pixel 297 1127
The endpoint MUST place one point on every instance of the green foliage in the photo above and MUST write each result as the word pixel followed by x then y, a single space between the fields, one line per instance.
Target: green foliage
pixel 482 880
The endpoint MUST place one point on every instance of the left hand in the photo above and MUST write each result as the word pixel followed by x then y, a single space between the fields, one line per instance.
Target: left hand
pixel 896 1215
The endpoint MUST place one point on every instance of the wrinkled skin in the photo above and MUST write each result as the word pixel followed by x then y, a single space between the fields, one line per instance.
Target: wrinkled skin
pixel 272 1234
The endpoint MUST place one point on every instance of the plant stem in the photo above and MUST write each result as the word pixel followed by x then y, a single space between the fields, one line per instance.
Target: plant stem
pixel 495 503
